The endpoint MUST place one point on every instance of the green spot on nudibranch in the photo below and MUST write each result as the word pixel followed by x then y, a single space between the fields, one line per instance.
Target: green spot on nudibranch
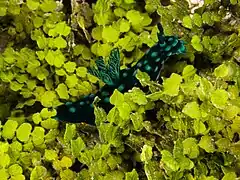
pixel 72 109
pixel 167 48
pixel 134 73
pixel 158 59
pixel 125 74
pixel 104 93
pixel 182 48
pixel 56 118
pixel 91 95
pixel 107 100
pixel 121 87
pixel 163 44
pixel 81 103
pixel 156 69
pixel 68 103
pixel 139 64
pixel 145 62
pixel 154 54
pixel 169 53
pixel 147 51
pixel 148 68
pixel 175 42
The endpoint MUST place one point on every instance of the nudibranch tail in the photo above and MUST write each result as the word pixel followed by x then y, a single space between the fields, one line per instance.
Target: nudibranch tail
pixel 77 112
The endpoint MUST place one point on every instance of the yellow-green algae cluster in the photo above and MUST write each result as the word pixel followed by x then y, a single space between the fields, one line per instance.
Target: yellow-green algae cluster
pixel 46 47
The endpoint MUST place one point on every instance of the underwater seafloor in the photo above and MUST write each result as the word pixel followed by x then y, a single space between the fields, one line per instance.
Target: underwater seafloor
pixel 183 126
